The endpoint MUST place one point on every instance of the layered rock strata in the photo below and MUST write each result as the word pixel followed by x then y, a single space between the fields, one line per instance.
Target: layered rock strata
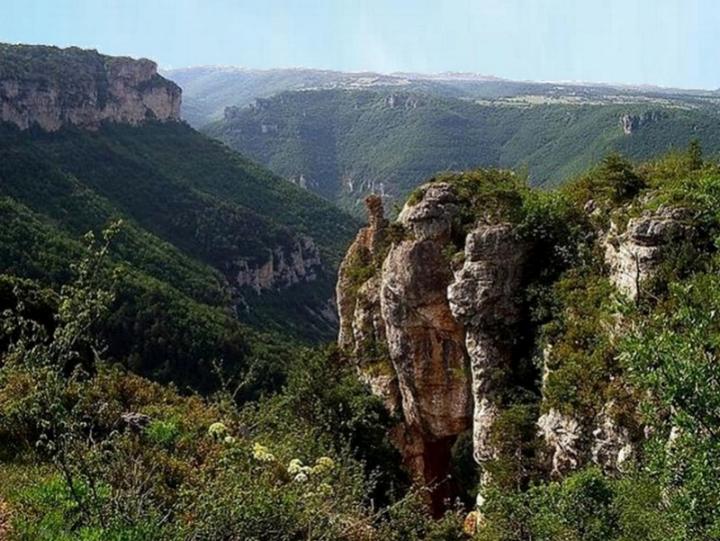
pixel 98 89
pixel 435 321
pixel 284 266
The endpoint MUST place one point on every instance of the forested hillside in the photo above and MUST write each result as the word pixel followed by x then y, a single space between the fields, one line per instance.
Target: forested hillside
pixel 217 257
pixel 345 144
pixel 208 90
pixel 194 215
pixel 594 417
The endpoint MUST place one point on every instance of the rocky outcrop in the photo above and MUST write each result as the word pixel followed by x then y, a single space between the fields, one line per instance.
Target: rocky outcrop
pixel 448 335
pixel 283 267
pixel 84 89
pixel 563 436
pixel 399 316
pixel 437 323
pixel 634 255
pixel 613 444
pixel 631 123
pixel 483 297
pixel 362 327
pixel 404 101
pixel 425 341
pixel 362 254
pixel 572 442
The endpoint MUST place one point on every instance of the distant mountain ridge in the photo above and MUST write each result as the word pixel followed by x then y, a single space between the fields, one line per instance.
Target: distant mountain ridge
pixel 209 89
pixel 345 144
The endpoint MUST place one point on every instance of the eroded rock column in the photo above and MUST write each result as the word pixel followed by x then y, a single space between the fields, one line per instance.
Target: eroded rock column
pixel 484 297
pixel 425 341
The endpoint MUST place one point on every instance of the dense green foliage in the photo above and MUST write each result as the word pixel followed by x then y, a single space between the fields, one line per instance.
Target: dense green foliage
pixel 65 69
pixel 90 451
pixel 346 144
pixel 190 207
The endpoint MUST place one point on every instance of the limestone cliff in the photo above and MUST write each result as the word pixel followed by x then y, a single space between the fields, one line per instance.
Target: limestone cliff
pixel 396 322
pixel 631 123
pixel 51 88
pixel 484 297
pixel 437 328
pixel 283 267
pixel 634 254
pixel 435 314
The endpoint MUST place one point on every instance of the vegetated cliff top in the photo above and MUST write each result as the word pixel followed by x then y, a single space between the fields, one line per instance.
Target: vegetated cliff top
pixel 587 312
pixel 69 65
pixel 53 87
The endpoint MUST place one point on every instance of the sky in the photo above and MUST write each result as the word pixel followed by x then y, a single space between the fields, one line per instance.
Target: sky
pixel 660 42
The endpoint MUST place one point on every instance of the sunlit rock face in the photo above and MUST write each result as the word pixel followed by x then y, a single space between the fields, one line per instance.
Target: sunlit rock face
pixel 434 314
pixel 484 297
pixel 401 318
pixel 99 89
pixel 426 342
pixel 282 267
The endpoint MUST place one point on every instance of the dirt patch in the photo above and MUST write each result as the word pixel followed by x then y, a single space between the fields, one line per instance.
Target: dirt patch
pixel 4 521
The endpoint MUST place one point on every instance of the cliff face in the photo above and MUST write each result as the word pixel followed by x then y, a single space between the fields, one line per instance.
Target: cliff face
pixel 437 328
pixel 634 255
pixel 284 266
pixel 51 88
pixel 425 341
pixel 434 313
pixel 484 297
pixel 632 123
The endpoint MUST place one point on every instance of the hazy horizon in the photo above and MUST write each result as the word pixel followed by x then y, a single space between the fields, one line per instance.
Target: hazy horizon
pixel 668 43
pixel 434 74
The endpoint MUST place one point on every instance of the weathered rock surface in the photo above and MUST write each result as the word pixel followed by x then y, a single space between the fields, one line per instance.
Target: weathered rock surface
pixel 447 335
pixel 106 89
pixel 402 313
pixel 425 341
pixel 563 436
pixel 431 217
pixel 631 123
pixel 483 297
pixel 454 335
pixel 612 443
pixel 572 442
pixel 283 267
pixel 634 255
pixel 362 327
pixel 364 251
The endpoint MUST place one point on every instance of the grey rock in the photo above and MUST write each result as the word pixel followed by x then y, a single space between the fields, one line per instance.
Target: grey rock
pixel 431 217
pixel 131 92
pixel 483 297
pixel 634 255
pixel 564 437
